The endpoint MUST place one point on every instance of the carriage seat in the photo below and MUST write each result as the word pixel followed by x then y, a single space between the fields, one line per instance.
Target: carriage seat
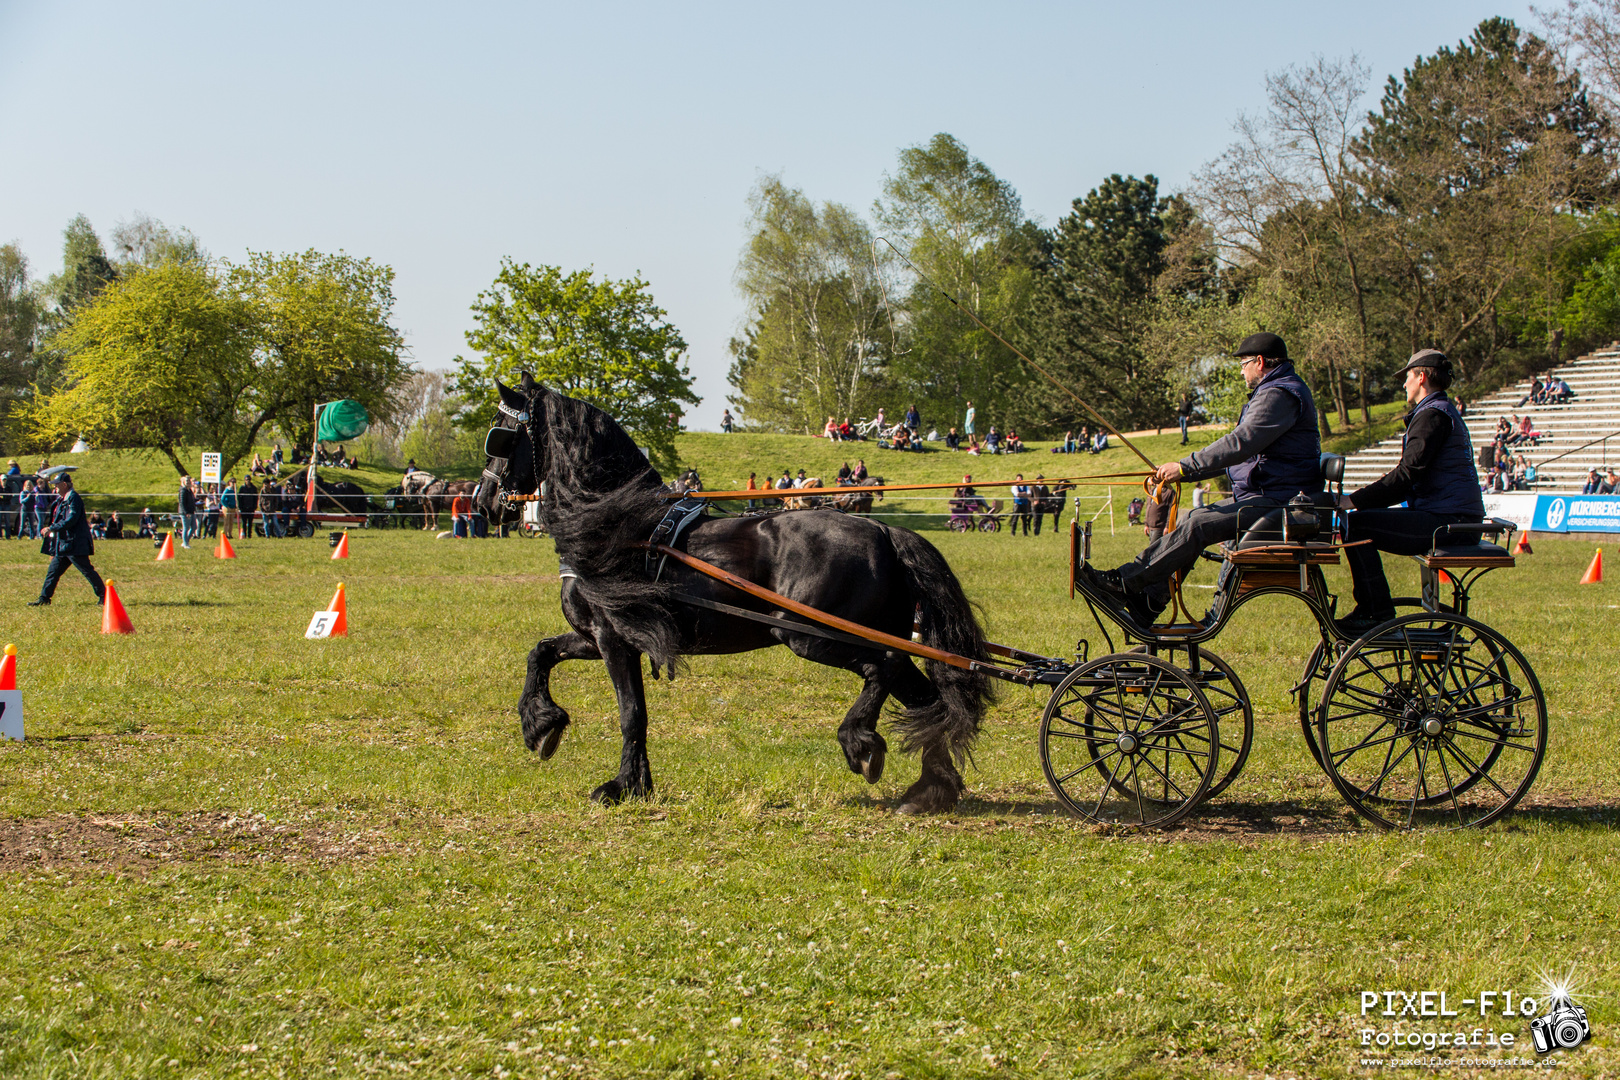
pixel 1262 542
pixel 1463 546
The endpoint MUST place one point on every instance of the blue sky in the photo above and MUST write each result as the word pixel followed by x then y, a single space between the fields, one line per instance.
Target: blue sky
pixel 438 138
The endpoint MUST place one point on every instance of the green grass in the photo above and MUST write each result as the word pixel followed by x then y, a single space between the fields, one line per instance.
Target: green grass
pixel 228 851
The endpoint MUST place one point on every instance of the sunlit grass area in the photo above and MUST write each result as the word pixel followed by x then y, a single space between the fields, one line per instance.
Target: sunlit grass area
pixel 227 851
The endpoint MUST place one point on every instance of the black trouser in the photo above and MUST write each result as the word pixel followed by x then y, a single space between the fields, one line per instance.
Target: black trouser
pixel 58 567
pixel 1020 513
pixel 1178 549
pixel 1399 532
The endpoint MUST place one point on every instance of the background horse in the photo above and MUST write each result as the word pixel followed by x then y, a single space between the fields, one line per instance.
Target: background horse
pixel 853 500
pixel 602 502
pixel 437 495
pixel 333 497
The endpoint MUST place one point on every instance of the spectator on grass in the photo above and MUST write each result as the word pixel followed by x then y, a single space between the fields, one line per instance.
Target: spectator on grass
pixel 460 512
pixel 846 431
pixel 28 510
pixel 992 440
pixel 913 419
pixel 953 440
pixel 228 506
pixel 1100 443
pixel 187 500
pixel 68 542
pixel 1200 495
pixel 725 422
pixel 115 527
pixel 212 508
pixel 148 525
pixel 753 485
pixel 1133 511
pixel 276 459
pixel 860 470
pixel 967 427
pixel 1015 445
pixel 1184 410
pixel 1023 507
pixel 247 503
pixel 830 429
pixel 98 528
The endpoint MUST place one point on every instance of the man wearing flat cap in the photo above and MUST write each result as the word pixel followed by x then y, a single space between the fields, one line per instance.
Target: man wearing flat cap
pixel 1272 455
pixel 1435 478
pixel 67 541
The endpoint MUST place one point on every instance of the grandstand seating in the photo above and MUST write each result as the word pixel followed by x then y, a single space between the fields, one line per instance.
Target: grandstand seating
pixel 1593 414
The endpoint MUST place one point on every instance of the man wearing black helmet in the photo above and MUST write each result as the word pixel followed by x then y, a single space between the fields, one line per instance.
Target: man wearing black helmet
pixel 1435 478
pixel 1272 455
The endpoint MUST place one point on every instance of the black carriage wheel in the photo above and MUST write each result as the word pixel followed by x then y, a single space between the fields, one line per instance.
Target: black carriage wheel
pixel 1432 721
pixel 1229 698
pixel 306 530
pixel 1317 669
pixel 1129 739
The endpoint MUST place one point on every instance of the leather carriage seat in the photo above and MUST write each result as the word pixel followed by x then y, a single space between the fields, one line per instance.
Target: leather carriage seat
pixel 1463 546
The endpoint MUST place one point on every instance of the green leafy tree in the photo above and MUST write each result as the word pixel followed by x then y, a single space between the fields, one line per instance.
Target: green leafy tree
pixel 1092 305
pixel 606 342
pixel 20 315
pixel 161 359
pixel 324 333
pixel 815 343
pixel 963 227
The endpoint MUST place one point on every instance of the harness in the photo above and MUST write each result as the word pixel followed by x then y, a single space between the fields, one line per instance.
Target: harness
pixel 667 533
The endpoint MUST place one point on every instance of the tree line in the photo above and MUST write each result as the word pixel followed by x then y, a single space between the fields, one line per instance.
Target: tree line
pixel 1472 207
pixel 155 345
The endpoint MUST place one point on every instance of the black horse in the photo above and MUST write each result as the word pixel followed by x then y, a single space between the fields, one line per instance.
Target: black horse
pixel 334 497
pixel 602 500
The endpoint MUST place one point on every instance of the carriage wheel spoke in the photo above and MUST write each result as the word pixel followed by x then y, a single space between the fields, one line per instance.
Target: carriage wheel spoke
pixel 1451 785
pixel 1477 769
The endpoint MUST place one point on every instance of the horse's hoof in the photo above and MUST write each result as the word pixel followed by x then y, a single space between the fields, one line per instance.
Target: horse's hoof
pixel 609 794
pixel 548 745
pixel 910 809
pixel 872 766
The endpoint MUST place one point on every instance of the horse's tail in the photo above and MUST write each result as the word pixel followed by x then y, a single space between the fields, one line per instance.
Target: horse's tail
pixel 948 624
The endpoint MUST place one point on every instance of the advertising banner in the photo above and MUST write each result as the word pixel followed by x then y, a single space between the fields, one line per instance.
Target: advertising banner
pixel 1577 513
pixel 1518 507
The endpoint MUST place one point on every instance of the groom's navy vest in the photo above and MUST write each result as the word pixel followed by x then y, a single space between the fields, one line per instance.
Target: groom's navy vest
pixel 1451 484
pixel 1293 463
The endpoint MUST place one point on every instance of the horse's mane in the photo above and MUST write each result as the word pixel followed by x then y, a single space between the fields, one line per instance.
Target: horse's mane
pixel 603 497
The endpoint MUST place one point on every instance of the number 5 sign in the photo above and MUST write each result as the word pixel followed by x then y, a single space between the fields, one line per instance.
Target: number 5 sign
pixel 321 625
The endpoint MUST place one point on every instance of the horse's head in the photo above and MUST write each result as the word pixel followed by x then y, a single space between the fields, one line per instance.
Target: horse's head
pixel 515 449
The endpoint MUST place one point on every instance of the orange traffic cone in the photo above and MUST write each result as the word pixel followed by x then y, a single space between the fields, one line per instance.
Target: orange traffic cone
pixel 114 619
pixel 342 551
pixel 1594 573
pixel 340 604
pixel 1445 578
pixel 167 550
pixel 224 550
pixel 1523 546
pixel 8 669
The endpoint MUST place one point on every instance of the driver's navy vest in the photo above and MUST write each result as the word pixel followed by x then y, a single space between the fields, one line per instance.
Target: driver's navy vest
pixel 1293 463
pixel 1450 485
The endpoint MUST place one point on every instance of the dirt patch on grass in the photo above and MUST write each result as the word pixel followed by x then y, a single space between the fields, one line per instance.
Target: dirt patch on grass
pixel 136 842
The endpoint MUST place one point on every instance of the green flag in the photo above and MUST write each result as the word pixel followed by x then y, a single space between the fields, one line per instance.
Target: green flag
pixel 340 420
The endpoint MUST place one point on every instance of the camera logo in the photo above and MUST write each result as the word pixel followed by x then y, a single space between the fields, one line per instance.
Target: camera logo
pixel 1564 1027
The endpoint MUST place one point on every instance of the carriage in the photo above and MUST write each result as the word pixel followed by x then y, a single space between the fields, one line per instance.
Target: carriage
pixel 1431 720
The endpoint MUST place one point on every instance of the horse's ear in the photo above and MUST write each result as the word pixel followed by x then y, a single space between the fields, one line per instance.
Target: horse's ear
pixel 530 387
pixel 510 397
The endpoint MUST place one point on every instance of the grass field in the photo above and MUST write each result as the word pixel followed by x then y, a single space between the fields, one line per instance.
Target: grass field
pixel 226 851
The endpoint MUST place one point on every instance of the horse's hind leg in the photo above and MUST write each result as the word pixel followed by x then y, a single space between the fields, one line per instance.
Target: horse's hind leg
pixel 864 748
pixel 543 719
pixel 940 786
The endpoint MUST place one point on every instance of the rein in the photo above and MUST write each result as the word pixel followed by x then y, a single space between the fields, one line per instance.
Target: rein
pixel 1094 480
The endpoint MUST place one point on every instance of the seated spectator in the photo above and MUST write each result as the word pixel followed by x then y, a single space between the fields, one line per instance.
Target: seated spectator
pixel 115 527
pixel 98 528
pixel 148 528
pixel 1516 480
pixel 844 473
pixel 830 429
pixel 1015 445
pixel 1504 429
pixel 1610 485
pixel 257 466
pixel 1559 393
pixel 902 438
pixel 846 431
pixel 1534 396
pixel 1593 482
pixel 860 471
pixel 460 515
pixel 1462 406
pixel 992 441
pixel 1528 435
pixel 1100 443
pixel 1133 512
pixel 953 440
pixel 1069 443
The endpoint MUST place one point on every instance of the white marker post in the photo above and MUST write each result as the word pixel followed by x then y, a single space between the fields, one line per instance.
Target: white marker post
pixel 11 715
pixel 321 625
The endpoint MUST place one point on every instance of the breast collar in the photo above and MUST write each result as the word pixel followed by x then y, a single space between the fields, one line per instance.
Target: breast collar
pixel 677 519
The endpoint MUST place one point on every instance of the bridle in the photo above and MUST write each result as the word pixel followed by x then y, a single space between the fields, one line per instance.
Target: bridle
pixel 522 420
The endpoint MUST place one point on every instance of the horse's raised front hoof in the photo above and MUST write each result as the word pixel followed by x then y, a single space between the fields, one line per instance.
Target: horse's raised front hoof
pixel 549 744
pixel 872 766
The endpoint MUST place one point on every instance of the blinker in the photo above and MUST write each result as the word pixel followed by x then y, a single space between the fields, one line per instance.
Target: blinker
pixel 500 442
